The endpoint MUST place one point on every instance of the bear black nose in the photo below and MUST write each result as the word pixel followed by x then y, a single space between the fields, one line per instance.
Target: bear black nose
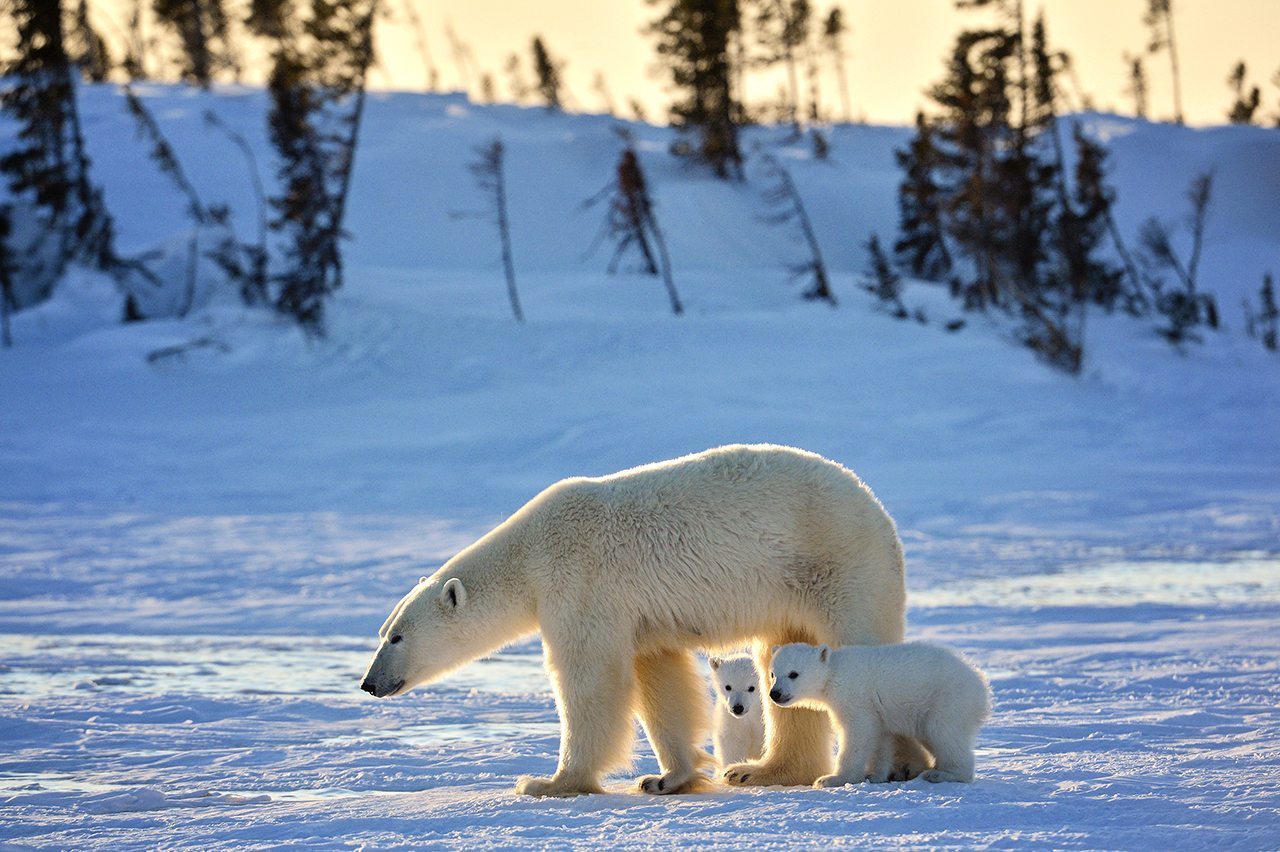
pixel 368 687
pixel 738 709
pixel 775 694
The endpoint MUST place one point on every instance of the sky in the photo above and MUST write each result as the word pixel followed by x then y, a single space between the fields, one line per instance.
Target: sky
pixel 896 49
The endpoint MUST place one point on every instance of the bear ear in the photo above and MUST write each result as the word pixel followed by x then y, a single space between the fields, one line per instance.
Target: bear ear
pixel 822 653
pixel 773 651
pixel 422 580
pixel 715 663
pixel 454 594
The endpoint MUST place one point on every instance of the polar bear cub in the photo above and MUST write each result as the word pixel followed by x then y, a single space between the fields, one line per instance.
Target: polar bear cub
pixel 739 717
pixel 913 689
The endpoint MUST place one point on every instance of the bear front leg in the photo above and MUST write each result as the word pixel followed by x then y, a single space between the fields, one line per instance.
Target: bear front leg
pixel 595 698
pixel 673 711
pixel 797 749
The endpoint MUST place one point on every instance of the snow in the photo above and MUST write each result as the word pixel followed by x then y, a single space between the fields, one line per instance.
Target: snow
pixel 196 550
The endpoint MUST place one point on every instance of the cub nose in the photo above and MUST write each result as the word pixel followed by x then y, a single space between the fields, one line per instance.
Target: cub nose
pixel 368 687
pixel 738 709
pixel 775 694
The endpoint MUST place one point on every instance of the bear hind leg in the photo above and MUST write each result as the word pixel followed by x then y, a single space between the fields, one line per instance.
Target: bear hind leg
pixel 673 711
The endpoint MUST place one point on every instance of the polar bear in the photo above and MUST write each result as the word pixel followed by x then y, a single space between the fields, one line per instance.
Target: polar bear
pixel 914 689
pixel 626 575
pixel 738 731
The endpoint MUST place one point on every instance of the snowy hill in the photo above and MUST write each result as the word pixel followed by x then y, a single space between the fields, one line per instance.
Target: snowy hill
pixel 215 535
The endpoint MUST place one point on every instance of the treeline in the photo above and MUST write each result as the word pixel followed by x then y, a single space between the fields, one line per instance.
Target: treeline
pixel 1001 199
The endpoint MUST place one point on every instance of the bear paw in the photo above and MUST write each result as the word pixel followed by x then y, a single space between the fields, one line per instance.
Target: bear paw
pixel 765 775
pixel 555 786
pixel 941 776
pixel 670 783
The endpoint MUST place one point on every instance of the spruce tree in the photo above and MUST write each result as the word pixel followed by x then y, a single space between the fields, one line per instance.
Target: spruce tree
pixel 886 283
pixel 1269 317
pixel 1244 105
pixel 86 48
pixel 1137 87
pixel 8 268
pixel 833 30
pixel 922 245
pixel 317 93
pixel 1093 200
pixel 782 31
pixel 694 40
pixel 548 71
pixel 47 168
pixel 197 25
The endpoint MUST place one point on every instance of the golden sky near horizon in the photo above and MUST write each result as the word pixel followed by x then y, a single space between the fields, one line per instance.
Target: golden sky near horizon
pixel 896 49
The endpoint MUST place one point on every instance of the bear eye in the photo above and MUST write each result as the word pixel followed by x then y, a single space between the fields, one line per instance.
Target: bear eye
pixel 751 689
pixel 794 675
pixel 728 688
pixel 395 640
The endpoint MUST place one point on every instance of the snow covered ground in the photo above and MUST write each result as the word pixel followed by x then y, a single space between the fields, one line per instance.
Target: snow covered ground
pixel 196 550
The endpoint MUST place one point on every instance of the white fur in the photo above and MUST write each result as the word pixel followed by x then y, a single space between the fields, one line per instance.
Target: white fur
pixel 737 736
pixel 625 575
pixel 915 689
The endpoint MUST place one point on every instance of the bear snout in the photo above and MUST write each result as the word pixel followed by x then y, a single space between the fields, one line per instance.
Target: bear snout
pixel 377 691
pixel 738 709
pixel 777 697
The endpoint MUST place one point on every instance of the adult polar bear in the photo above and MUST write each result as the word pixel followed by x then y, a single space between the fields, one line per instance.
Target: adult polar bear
pixel 626 575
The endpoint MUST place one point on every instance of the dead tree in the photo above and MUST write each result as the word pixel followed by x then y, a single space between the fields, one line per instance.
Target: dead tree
pixel 631 223
pixel 245 263
pixel 420 39
pixel 490 177
pixel 163 155
pixel 1184 307
pixel 783 197
pixel 1159 17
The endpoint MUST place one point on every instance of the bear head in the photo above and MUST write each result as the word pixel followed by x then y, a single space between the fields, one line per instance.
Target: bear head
pixel 797 673
pixel 433 630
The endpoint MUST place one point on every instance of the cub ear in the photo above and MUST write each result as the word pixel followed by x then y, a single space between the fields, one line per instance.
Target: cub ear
pixel 422 580
pixel 454 594
pixel 773 652
pixel 822 653
pixel 715 663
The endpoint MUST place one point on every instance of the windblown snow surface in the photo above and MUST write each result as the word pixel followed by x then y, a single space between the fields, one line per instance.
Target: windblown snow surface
pixel 197 548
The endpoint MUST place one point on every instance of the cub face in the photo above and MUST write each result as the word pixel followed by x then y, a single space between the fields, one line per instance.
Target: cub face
pixel 429 633
pixel 797 672
pixel 737 684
